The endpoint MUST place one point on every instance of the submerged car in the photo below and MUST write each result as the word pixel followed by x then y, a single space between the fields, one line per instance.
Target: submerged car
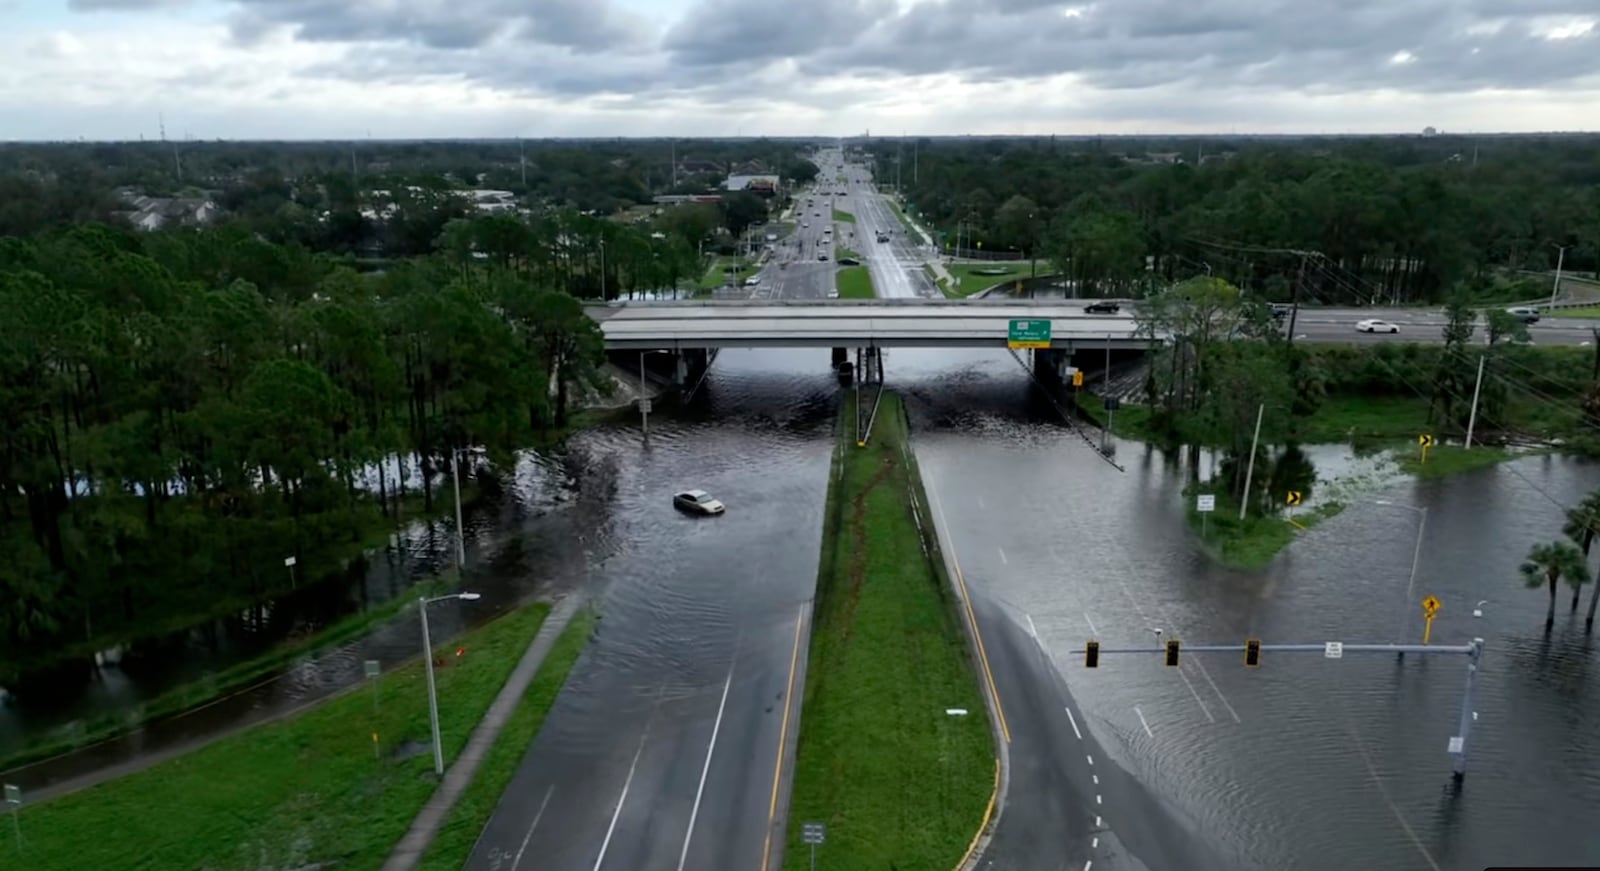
pixel 1373 325
pixel 697 502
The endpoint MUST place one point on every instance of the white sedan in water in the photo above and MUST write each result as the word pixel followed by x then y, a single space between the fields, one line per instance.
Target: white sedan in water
pixel 1373 325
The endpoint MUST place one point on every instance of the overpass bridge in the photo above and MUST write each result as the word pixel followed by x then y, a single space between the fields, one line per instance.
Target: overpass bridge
pixel 692 329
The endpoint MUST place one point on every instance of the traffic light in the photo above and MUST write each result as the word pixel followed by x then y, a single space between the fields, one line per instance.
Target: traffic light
pixel 1172 654
pixel 1091 655
pixel 1252 652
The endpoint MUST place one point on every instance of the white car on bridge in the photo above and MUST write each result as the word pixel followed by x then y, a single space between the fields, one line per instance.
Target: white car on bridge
pixel 1373 325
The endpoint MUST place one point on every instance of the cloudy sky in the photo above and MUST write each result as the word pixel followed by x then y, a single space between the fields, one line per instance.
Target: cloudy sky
pixel 109 69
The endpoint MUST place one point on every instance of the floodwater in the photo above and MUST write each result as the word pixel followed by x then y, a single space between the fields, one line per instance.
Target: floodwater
pixel 1304 763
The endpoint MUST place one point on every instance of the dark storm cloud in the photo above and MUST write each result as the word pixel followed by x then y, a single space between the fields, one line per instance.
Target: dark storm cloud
pixel 439 24
pixel 717 32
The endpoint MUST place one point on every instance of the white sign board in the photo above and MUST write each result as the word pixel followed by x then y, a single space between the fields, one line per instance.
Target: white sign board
pixel 644 406
pixel 13 793
pixel 370 668
pixel 289 561
pixel 1333 650
pixel 1205 503
pixel 1457 744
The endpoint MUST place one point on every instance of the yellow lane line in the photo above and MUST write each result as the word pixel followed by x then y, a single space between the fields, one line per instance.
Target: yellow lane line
pixel 783 738
pixel 966 599
pixel 984 824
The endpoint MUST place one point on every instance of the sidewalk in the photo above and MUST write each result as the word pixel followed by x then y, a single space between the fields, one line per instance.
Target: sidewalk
pixel 407 854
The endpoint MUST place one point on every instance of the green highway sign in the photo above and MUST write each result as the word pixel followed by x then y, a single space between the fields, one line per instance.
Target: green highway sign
pixel 1029 334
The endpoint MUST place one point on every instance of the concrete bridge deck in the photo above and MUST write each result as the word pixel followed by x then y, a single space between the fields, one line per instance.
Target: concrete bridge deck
pixel 853 324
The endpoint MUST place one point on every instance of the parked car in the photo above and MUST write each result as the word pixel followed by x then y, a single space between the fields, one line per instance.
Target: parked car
pixel 1102 307
pixel 697 502
pixel 1525 313
pixel 1373 325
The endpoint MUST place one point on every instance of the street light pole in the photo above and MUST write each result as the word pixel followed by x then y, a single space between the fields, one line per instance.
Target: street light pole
pixel 1250 469
pixel 1560 259
pixel 427 658
pixel 1416 556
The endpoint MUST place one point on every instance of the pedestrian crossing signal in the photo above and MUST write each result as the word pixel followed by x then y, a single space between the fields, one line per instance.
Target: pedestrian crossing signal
pixel 1091 655
pixel 1172 654
pixel 1252 652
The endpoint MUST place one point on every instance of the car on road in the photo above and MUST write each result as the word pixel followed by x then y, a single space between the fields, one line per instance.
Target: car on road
pixel 1103 307
pixel 753 281
pixel 1280 310
pixel 1373 325
pixel 1525 313
pixel 697 502
pixel 822 255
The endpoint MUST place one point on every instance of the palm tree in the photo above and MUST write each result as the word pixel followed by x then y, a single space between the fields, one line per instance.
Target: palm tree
pixel 1546 564
pixel 1583 521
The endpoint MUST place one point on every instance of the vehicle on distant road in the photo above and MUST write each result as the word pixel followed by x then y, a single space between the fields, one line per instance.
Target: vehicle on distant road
pixel 753 281
pixel 883 237
pixel 822 255
pixel 697 502
pixel 1103 307
pixel 1373 325
pixel 1280 310
pixel 1525 313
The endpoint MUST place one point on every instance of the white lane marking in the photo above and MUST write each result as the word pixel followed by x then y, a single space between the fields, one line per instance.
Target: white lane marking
pixel 1088 863
pixel 517 860
pixel 1097 822
pixel 1218 690
pixel 1143 721
pixel 1096 778
pixel 711 747
pixel 1090 758
pixel 620 799
pixel 1074 721
pixel 1092 630
pixel 1094 843
pixel 1032 629
pixel 1098 800
pixel 1378 782
pixel 1003 555
pixel 1197 700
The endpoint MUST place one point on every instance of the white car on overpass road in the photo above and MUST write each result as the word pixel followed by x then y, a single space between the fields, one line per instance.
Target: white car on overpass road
pixel 1373 325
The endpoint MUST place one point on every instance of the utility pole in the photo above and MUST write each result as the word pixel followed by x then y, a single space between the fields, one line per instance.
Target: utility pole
pixel 1250 470
pixel 1111 406
pixel 1472 418
pixel 1560 260
pixel 1294 297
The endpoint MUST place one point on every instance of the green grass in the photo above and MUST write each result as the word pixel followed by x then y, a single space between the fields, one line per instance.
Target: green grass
pixel 841 216
pixel 1131 421
pixel 294 792
pixel 1251 543
pixel 452 846
pixel 234 678
pixel 717 272
pixel 898 781
pixel 1445 460
pixel 842 253
pixel 854 282
pixel 1588 311
pixel 905 220
pixel 970 279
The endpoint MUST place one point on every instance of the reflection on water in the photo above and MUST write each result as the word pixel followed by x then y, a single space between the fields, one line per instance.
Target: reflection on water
pixel 1302 763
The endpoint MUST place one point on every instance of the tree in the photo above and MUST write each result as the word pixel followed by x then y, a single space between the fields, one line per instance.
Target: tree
pixel 742 210
pixel 1547 564
pixel 1502 325
pixel 1582 523
pixel 1017 224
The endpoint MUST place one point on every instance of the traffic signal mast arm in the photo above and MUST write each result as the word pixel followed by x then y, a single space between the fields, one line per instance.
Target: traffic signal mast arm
pixel 1458 649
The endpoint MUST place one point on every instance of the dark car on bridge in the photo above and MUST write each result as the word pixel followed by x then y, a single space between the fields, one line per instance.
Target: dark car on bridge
pixel 1103 307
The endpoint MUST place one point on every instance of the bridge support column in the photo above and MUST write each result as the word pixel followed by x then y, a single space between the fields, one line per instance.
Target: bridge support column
pixel 1050 364
pixel 840 355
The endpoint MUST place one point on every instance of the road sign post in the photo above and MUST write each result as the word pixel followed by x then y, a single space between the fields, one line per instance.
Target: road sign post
pixel 1430 609
pixel 814 834
pixel 1028 334
pixel 371 668
pixel 1425 441
pixel 1205 503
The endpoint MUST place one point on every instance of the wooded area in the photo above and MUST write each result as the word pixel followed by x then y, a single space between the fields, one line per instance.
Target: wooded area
pixel 186 409
pixel 1393 220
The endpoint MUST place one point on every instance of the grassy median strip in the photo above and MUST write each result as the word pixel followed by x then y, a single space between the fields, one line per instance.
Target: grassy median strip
pixel 854 282
pixel 456 838
pixel 899 782
pixel 1253 542
pixel 304 790
pixel 842 217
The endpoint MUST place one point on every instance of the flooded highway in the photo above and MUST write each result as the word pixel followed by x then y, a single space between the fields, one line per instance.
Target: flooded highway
pixel 661 751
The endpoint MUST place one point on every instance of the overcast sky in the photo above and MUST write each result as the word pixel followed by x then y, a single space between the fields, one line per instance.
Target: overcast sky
pixel 300 69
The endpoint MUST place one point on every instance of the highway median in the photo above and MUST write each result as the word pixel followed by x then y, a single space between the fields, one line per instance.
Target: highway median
pixel 895 755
